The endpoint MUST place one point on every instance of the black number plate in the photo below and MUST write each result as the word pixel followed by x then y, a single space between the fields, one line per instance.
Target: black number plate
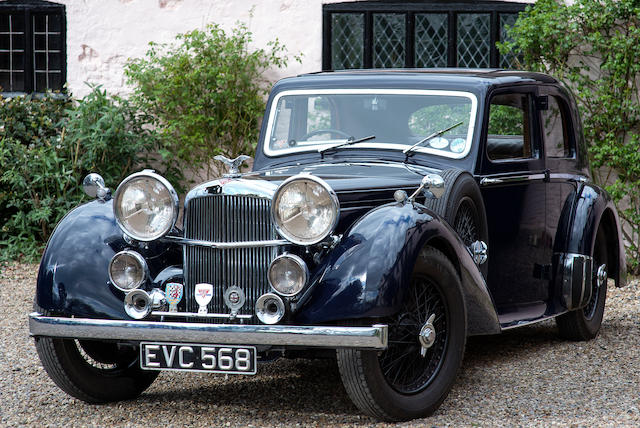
pixel 198 357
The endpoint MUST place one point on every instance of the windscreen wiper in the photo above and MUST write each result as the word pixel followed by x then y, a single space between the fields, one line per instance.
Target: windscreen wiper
pixel 428 137
pixel 349 142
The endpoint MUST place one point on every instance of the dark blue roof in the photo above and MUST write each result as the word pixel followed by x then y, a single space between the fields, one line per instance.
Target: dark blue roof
pixel 433 78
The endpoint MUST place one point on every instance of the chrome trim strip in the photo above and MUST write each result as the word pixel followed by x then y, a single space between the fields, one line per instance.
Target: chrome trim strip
pixel 197 315
pixel 225 245
pixel 373 337
pixel 486 181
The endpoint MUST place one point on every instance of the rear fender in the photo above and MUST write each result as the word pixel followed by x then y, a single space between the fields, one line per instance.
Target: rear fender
pixel 367 274
pixel 584 213
pixel 73 278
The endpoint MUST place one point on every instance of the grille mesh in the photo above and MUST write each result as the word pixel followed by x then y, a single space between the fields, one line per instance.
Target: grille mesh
pixel 228 218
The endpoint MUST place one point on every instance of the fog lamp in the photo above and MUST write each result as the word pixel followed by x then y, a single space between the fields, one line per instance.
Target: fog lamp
pixel 127 270
pixel 288 274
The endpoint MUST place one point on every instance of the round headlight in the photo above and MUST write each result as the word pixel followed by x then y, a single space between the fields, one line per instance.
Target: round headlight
pixel 127 270
pixel 305 209
pixel 145 206
pixel 288 274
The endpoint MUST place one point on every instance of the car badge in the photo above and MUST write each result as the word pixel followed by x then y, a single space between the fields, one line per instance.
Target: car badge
pixel 232 164
pixel 173 295
pixel 234 298
pixel 203 295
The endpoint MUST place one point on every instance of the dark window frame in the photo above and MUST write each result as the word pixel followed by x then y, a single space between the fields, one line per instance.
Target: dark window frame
pixel 410 9
pixel 29 9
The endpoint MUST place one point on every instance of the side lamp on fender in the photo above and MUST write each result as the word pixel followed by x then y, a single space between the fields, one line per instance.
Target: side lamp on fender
pixel 93 186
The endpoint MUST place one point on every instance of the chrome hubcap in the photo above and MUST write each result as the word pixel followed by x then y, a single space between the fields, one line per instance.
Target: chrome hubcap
pixel 427 336
pixel 601 276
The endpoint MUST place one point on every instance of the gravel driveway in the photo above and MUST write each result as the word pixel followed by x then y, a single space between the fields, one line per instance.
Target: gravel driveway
pixel 525 377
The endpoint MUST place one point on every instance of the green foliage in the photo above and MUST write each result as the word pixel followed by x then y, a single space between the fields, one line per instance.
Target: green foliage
pixel 505 120
pixel 47 147
pixel 206 92
pixel 593 48
pixel 434 118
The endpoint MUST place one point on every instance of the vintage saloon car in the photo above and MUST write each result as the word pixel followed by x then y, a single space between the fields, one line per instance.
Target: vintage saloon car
pixel 389 216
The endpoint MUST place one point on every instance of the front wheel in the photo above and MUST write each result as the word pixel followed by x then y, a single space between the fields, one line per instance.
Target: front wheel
pixel 92 371
pixel 413 376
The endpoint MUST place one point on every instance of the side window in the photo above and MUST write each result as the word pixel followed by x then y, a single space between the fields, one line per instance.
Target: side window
pixel 509 136
pixel 556 136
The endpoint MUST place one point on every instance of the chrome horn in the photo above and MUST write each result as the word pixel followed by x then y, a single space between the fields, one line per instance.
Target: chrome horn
pixel 137 304
pixel 270 308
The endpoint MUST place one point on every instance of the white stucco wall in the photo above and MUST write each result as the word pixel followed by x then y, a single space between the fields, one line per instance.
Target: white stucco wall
pixel 102 34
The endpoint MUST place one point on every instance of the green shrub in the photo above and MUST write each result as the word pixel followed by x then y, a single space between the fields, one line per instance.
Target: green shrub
pixel 593 48
pixel 206 91
pixel 47 147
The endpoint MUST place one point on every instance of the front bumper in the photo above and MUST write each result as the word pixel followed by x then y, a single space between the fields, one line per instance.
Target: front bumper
pixel 373 337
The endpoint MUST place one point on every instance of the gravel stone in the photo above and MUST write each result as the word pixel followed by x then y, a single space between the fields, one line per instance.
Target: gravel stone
pixel 523 377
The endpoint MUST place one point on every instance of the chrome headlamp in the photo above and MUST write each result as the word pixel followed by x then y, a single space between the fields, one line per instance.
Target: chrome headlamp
pixel 145 206
pixel 305 209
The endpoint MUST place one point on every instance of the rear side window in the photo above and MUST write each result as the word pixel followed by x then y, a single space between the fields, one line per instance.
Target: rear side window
pixel 556 135
pixel 509 134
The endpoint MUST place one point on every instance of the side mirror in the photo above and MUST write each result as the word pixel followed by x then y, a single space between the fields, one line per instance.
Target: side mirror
pixel 431 183
pixel 93 186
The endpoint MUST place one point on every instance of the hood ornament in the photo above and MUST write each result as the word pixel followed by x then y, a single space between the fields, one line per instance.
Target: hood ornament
pixel 232 164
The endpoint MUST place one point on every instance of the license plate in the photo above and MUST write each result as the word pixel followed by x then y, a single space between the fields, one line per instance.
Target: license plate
pixel 198 357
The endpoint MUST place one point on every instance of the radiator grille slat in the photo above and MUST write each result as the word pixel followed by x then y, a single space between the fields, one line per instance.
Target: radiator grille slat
pixel 228 218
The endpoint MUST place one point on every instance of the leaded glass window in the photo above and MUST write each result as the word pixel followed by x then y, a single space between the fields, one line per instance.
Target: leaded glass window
pixel 507 20
pixel 393 34
pixel 32 46
pixel 474 40
pixel 347 40
pixel 12 41
pixel 431 30
pixel 389 35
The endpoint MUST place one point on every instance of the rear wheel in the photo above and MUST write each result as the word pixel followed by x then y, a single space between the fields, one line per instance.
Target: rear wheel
pixel 584 323
pixel 413 376
pixel 93 371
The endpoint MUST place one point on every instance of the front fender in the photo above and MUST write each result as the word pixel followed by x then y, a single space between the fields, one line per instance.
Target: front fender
pixel 73 278
pixel 366 275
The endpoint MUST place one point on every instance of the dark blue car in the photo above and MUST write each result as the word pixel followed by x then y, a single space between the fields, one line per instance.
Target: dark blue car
pixel 389 216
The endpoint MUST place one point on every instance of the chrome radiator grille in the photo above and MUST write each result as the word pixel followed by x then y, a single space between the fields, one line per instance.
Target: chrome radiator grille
pixel 228 218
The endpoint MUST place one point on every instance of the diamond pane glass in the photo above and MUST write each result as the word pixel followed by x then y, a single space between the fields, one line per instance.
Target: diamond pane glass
pixel 507 20
pixel 473 39
pixel 431 40
pixel 347 40
pixel 389 32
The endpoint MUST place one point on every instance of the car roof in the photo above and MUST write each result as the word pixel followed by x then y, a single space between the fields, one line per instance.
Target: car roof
pixel 454 78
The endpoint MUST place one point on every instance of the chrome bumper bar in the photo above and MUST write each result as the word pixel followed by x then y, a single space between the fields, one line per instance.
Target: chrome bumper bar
pixel 374 337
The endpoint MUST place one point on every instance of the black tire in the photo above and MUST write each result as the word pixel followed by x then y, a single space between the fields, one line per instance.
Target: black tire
pixel 463 208
pixel 92 371
pixel 584 324
pixel 399 384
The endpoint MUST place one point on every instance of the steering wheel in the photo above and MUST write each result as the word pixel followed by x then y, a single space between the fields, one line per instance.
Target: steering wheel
pixel 324 131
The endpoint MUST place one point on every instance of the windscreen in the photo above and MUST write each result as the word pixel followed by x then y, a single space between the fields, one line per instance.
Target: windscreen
pixel 441 121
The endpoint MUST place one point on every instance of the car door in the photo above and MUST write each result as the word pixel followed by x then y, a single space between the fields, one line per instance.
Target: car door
pixel 558 133
pixel 512 181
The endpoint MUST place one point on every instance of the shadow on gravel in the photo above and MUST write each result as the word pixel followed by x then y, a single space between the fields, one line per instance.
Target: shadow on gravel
pixel 301 386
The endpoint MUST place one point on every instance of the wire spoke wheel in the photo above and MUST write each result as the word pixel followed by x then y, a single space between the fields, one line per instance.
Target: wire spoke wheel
pixel 427 336
pixel 402 364
pixel 466 222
